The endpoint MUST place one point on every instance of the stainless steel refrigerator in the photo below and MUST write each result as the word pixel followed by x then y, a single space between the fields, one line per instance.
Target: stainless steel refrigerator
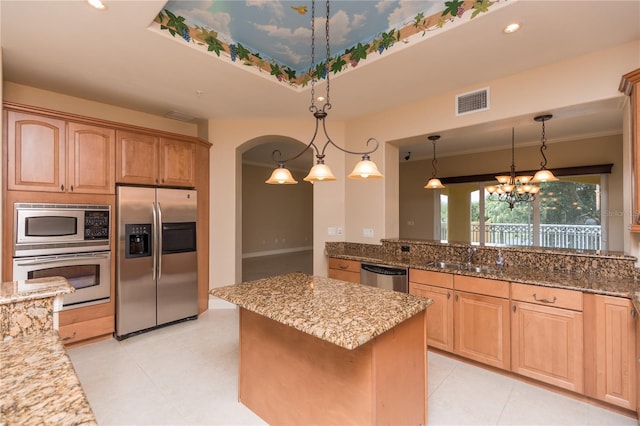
pixel 156 267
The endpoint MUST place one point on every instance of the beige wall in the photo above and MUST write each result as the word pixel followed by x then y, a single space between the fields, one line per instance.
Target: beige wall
pixel 575 81
pixel 415 203
pixel 275 218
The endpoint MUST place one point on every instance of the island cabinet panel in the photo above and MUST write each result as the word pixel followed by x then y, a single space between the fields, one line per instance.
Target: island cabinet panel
pixel 36 150
pixel 91 159
pixel 136 158
pixel 482 329
pixel 439 314
pixel 610 350
pixel 345 270
pixel 290 377
pixel 547 345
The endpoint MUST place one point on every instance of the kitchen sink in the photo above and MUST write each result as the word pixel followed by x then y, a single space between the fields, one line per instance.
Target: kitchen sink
pixel 462 267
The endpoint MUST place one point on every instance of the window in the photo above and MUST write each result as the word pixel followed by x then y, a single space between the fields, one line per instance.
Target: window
pixel 565 214
pixel 444 217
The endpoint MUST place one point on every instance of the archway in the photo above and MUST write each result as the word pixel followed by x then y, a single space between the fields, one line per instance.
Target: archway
pixel 277 220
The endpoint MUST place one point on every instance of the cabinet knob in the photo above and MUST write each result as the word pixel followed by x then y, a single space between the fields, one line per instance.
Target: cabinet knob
pixel 448 295
pixel 71 188
pixel 513 308
pixel 456 297
pixel 61 187
pixel 634 313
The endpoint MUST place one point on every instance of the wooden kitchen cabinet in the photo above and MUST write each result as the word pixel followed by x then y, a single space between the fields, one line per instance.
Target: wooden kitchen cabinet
pixel 437 286
pixel 481 320
pixel 90 159
pixel 150 160
pixel 547 335
pixel 630 86
pixel 345 270
pixel 51 155
pixel 610 350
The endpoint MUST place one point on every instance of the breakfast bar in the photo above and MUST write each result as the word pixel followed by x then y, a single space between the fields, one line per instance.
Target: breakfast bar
pixel 316 350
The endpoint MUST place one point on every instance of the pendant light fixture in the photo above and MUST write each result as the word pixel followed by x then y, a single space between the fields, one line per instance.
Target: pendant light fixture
pixel 543 175
pixel 434 182
pixel 320 172
pixel 513 189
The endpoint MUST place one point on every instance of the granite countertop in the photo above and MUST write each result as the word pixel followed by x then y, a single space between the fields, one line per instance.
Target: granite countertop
pixel 39 384
pixel 19 291
pixel 587 282
pixel 345 314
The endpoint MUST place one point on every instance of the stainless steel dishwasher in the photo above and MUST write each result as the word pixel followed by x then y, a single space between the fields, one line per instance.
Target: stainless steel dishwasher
pixel 383 276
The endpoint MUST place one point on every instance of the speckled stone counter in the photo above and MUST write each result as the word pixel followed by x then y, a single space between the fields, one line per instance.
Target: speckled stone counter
pixel 345 314
pixel 316 350
pixel 30 307
pixel 38 384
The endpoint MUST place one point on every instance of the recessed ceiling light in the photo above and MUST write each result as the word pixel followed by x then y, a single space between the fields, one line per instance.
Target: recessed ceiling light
pixel 97 4
pixel 511 28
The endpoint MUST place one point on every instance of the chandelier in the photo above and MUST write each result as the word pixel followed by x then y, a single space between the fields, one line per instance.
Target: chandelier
pixel 513 189
pixel 544 174
pixel 320 172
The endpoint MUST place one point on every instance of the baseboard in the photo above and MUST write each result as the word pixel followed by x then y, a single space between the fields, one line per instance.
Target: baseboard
pixel 279 251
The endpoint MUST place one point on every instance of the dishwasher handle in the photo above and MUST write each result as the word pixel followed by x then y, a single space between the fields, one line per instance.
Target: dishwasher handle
pixel 383 270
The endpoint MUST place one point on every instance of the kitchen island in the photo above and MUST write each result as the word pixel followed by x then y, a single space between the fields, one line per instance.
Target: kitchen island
pixel 315 350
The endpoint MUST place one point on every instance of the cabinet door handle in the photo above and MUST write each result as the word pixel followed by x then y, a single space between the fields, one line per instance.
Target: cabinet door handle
pixel 61 187
pixel 343 266
pixel 456 297
pixel 71 188
pixel 634 314
pixel 513 308
pixel 448 295
pixel 543 300
pixel 70 337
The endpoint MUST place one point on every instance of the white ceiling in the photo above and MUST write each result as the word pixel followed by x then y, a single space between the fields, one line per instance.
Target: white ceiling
pixel 113 57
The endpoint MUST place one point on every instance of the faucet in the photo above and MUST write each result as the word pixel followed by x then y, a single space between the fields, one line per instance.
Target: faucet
pixel 471 251
pixel 500 259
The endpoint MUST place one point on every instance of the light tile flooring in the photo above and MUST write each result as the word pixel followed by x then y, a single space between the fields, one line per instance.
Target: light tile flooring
pixel 187 374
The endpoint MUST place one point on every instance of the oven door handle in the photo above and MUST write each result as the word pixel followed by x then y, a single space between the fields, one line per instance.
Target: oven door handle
pixel 58 259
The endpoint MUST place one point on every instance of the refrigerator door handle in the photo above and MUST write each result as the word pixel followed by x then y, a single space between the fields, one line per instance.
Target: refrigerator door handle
pixel 159 241
pixel 154 252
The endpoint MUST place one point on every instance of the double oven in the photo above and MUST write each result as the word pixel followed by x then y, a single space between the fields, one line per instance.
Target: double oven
pixel 65 240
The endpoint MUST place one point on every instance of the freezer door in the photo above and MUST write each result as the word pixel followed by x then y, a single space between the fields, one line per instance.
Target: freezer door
pixel 135 283
pixel 178 269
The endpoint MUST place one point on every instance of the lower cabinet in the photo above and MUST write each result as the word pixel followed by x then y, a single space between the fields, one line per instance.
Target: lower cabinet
pixel 345 270
pixel 438 287
pixel 610 350
pixel 481 328
pixel 88 324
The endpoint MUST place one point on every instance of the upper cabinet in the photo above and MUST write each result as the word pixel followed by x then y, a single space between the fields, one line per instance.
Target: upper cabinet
pixel 149 160
pixel 630 85
pixel 51 155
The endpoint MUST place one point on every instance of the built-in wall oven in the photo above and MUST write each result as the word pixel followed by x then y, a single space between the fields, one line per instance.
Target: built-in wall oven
pixel 67 240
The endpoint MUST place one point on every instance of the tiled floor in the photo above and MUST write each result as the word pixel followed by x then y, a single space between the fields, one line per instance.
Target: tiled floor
pixel 187 374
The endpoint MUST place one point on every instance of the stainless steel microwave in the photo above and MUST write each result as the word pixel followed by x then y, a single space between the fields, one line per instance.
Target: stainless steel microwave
pixel 44 229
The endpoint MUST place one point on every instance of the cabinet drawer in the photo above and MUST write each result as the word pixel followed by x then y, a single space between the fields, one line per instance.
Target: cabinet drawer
pixel 86 329
pixel 438 279
pixel 555 297
pixel 344 265
pixel 482 286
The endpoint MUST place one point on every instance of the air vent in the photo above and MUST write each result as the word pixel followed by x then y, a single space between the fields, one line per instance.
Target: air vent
pixel 177 115
pixel 469 102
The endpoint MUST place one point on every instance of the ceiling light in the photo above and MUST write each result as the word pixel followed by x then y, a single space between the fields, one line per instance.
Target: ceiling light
pixel 511 28
pixel 513 189
pixel 434 182
pixel 97 4
pixel 543 175
pixel 365 169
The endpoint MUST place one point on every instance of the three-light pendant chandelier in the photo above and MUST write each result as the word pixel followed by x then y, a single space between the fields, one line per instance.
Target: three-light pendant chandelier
pixel 320 172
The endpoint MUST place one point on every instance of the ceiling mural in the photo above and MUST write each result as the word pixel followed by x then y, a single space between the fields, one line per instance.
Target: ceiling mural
pixel 274 37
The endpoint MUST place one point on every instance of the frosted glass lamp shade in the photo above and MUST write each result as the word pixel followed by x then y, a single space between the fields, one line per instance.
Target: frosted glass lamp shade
pixel 281 176
pixel 544 175
pixel 434 183
pixel 319 173
pixel 365 169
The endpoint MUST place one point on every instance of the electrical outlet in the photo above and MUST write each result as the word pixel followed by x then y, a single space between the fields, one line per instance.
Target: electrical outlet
pixel 367 232
pixel 340 232
pixel 331 231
